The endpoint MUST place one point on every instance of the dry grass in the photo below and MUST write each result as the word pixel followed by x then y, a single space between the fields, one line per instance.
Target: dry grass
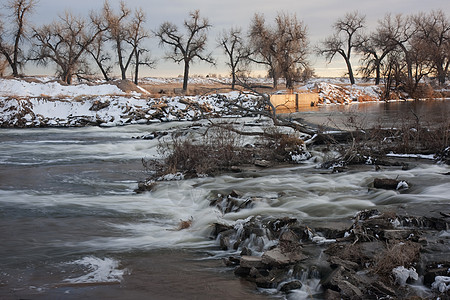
pixel 175 89
pixel 401 254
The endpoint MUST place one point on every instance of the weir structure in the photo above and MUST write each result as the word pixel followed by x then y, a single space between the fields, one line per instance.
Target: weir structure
pixel 293 102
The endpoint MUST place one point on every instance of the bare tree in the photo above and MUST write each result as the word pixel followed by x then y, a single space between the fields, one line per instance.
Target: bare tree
pixel 283 47
pixel 261 47
pixel 233 46
pixel 100 56
pixel 13 50
pixel 186 47
pixel 292 44
pixel 374 49
pixel 433 33
pixel 137 34
pixel 344 40
pixel 118 30
pixel 64 42
pixel 399 31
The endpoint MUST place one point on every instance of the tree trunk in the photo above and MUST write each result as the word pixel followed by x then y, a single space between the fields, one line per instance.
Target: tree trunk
pixel 123 70
pixel 136 70
pixel 233 78
pixel 100 66
pixel 350 71
pixel 289 82
pixel 186 75
pixel 378 72
pixel 11 63
pixel 15 71
pixel 440 74
pixel 67 76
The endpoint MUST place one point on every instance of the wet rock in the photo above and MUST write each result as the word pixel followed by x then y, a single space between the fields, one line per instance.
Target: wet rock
pixel 153 135
pixel 291 285
pixel 219 228
pixel 349 290
pixel 437 269
pixel 380 288
pixel 252 262
pixel 262 163
pixel 277 224
pixel 231 261
pixel 336 262
pixel 232 202
pixel 145 186
pixel 280 257
pixel 389 184
pixel 332 295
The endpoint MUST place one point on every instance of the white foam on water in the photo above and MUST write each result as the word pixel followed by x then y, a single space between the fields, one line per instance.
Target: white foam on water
pixel 98 270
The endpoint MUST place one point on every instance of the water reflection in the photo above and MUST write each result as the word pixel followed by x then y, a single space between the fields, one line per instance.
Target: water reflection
pixel 368 114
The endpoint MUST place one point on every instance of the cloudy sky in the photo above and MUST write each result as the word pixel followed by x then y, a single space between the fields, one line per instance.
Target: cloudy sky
pixel 318 15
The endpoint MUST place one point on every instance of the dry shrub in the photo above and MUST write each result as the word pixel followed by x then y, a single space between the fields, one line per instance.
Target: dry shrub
pixel 422 91
pixel 219 149
pixel 281 146
pixel 401 254
pixel 412 133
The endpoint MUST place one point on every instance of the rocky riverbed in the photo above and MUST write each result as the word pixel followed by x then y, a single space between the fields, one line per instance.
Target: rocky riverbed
pixel 389 254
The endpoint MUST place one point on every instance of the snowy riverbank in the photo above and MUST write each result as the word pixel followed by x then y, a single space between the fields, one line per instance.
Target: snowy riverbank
pixel 41 103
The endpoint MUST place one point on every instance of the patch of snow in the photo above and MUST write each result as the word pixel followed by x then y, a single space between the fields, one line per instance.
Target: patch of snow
pixel 402 185
pixel 21 88
pixel 321 240
pixel 441 283
pixel 171 177
pixel 422 156
pixel 402 274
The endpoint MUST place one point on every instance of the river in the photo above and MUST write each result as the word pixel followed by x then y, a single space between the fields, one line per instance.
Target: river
pixel 72 227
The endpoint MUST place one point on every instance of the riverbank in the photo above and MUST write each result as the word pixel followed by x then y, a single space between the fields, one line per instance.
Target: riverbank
pixel 42 102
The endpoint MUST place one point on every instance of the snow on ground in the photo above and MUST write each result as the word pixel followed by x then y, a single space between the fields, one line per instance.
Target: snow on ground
pixel 30 103
pixel 34 104
pixel 21 88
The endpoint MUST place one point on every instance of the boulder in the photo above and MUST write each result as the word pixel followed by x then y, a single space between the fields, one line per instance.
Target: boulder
pixel 262 163
pixel 389 184
pixel 291 285
pixel 251 262
pixel 279 257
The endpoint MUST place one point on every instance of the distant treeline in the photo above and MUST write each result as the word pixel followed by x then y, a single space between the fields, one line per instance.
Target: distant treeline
pixel 399 52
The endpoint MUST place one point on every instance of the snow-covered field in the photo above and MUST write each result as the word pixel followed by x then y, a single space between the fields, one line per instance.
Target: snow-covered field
pixel 45 102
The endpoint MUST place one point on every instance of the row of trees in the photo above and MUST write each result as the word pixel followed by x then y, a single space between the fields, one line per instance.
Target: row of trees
pixel 402 49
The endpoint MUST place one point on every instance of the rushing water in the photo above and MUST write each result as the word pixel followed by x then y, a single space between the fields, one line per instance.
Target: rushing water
pixel 71 225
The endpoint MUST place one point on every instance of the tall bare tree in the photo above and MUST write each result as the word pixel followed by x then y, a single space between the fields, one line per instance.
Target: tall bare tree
pixel 138 34
pixel 127 32
pixel 399 30
pixel 118 31
pixel 234 48
pixel 185 48
pixel 262 50
pixel 283 47
pixel 344 40
pixel 433 32
pixel 64 42
pixel 12 51
pixel 374 48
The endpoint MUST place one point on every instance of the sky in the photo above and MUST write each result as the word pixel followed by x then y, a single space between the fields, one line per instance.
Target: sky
pixel 317 15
